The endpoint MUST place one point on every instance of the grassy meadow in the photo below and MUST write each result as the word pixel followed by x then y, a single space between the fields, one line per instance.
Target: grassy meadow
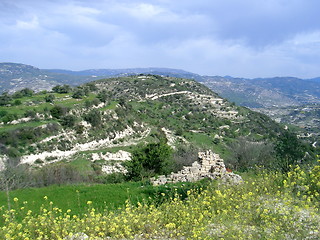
pixel 267 205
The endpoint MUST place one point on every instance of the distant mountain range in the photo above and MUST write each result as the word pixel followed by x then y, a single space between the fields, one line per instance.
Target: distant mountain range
pixel 253 93
pixel 266 92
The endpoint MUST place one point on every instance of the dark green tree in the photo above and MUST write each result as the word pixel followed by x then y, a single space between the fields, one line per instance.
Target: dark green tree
pixel 92 87
pixel 26 92
pixel 68 120
pixel 94 118
pixel 78 93
pixel 289 151
pixel 58 111
pixel 5 99
pixel 103 95
pixel 153 159
pixel 49 98
pixel 62 89
pixel 17 102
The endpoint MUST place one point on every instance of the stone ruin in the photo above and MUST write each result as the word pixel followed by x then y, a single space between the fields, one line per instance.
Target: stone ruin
pixel 209 165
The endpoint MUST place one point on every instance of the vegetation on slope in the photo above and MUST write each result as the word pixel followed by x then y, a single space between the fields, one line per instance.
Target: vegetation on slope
pixel 70 124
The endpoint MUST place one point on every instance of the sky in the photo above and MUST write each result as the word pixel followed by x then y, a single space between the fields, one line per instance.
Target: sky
pixel 239 38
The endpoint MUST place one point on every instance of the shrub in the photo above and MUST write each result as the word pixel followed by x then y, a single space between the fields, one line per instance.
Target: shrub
pixel 26 92
pixel 154 158
pixel 49 98
pixel 58 111
pixel 30 113
pixel 59 173
pixel 5 99
pixel 9 117
pixel 247 154
pixel 289 150
pixel 17 102
pixel 68 121
pixel 184 156
pixel 110 178
pixel 103 96
pixel 94 118
pixel 62 89
pixel 79 128
pixel 3 113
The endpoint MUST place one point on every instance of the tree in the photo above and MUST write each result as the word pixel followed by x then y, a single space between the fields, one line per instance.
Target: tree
pixel 62 89
pixel 94 118
pixel 78 93
pixel 153 159
pixel 5 99
pixel 68 121
pixel 103 95
pixel 49 98
pixel 92 87
pixel 58 111
pixel 289 150
pixel 81 92
pixel 26 92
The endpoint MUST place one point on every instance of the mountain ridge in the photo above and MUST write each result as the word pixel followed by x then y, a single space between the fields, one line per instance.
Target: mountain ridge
pixel 252 93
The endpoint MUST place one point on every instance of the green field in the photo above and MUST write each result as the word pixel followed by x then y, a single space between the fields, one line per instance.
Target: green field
pixel 102 196
pixel 267 205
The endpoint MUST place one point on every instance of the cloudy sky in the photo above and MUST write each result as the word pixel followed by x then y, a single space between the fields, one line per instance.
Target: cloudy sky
pixel 241 38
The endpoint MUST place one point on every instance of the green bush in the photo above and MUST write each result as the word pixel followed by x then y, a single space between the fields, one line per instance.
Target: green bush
pixel 62 89
pixel 289 151
pixel 5 99
pixel 9 117
pixel 17 102
pixel 94 118
pixel 26 92
pixel 68 121
pixel 58 111
pixel 110 178
pixel 153 159
pixel 49 98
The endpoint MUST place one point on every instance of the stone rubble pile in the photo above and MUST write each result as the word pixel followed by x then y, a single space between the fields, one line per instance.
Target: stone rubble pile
pixel 209 165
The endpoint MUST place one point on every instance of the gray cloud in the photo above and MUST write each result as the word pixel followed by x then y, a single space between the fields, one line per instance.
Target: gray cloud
pixel 248 38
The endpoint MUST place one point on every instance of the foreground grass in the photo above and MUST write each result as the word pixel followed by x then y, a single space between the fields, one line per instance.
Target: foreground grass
pixel 103 196
pixel 268 206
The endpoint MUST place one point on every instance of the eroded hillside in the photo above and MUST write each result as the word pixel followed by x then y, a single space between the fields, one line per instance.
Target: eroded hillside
pixel 97 120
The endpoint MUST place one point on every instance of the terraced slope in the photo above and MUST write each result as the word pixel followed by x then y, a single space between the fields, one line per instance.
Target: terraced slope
pixel 119 113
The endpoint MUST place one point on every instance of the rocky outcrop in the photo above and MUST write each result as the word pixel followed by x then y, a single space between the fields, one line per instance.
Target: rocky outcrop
pixel 108 156
pixel 209 165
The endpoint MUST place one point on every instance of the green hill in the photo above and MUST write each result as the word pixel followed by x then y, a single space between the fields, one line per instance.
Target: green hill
pixel 56 140
pixel 84 134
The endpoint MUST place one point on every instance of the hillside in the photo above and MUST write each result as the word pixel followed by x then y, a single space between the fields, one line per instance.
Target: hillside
pixel 96 120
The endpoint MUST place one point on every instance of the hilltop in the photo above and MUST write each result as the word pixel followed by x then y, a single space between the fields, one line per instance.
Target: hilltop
pixel 93 122
pixel 255 93
pixel 280 98
pixel 16 76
